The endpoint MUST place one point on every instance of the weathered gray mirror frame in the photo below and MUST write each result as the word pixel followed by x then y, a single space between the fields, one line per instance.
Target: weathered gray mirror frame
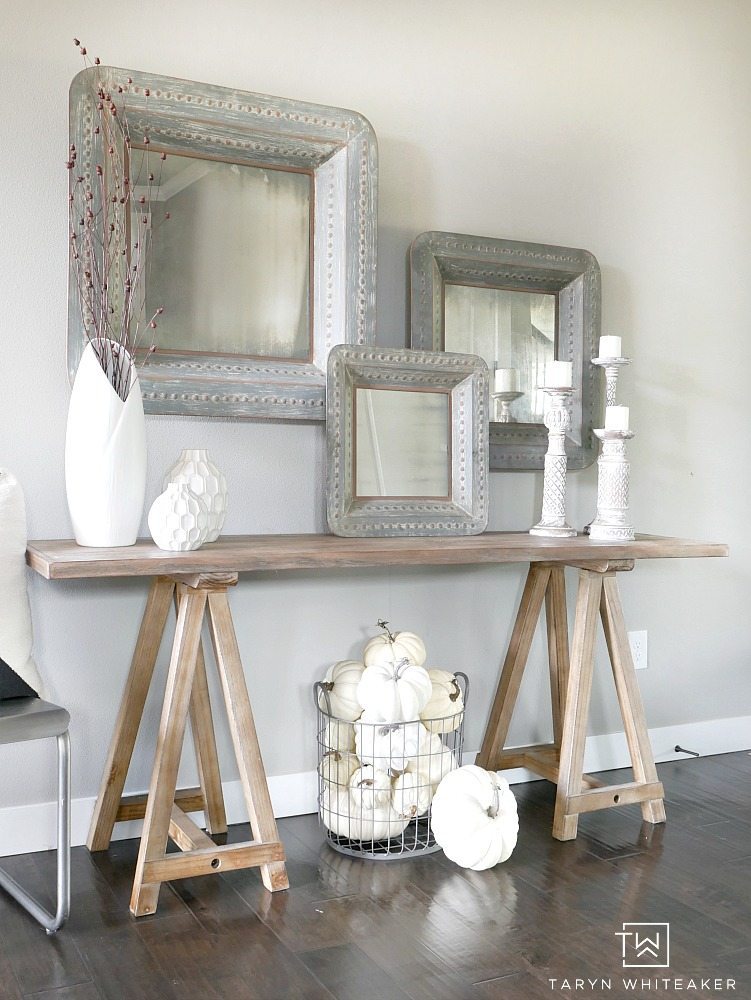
pixel 339 148
pixel 573 275
pixel 466 377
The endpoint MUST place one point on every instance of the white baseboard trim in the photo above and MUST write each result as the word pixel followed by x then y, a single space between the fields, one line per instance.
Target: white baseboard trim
pixel 24 829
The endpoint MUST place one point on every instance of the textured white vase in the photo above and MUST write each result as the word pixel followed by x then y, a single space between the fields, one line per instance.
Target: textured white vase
pixel 178 519
pixel 105 457
pixel 196 470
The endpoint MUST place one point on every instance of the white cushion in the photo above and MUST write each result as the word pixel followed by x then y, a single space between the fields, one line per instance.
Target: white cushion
pixel 15 613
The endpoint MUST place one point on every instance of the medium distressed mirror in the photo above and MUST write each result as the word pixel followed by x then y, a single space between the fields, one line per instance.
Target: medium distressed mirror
pixel 407 443
pixel 268 259
pixel 518 306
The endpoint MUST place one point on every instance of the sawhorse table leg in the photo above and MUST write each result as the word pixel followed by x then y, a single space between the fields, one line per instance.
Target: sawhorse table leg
pixel 164 810
pixel 571 682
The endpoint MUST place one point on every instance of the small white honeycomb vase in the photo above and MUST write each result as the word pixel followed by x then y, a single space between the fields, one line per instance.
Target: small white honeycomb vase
pixel 195 469
pixel 178 519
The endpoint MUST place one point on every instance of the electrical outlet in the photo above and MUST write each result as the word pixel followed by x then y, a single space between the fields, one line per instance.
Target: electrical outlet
pixel 638 643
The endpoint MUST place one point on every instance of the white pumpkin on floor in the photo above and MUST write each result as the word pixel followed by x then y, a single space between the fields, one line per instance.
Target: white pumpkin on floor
pixel 445 707
pixel 340 685
pixel 474 818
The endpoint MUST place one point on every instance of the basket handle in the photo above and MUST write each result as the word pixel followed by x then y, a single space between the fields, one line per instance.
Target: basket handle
pixel 460 675
pixel 319 688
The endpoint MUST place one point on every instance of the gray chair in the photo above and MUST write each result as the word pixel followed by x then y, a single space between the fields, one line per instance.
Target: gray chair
pixel 21 720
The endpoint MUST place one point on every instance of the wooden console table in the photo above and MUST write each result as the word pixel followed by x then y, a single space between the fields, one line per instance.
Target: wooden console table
pixel 197 582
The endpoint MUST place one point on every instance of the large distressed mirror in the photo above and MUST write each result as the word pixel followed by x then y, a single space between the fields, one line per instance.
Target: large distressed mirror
pixel 268 259
pixel 518 306
pixel 232 270
pixel 407 443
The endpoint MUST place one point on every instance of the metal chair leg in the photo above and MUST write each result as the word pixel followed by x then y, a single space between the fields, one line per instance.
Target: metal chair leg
pixel 52 923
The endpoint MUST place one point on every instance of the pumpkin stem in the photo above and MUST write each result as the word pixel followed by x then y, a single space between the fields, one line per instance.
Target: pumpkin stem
pixel 456 692
pixel 327 685
pixel 398 667
pixel 392 727
pixel 496 804
pixel 385 626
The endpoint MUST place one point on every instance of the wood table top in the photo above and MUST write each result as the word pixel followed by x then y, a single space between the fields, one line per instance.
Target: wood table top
pixel 63 559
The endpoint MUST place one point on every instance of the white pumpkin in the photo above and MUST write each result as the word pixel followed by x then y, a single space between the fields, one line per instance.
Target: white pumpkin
pixel 343 818
pixel 411 795
pixel 394 646
pixel 389 745
pixel 337 768
pixel 339 736
pixel 434 763
pixel 340 685
pixel 474 818
pixel 445 707
pixel 394 692
pixel 369 787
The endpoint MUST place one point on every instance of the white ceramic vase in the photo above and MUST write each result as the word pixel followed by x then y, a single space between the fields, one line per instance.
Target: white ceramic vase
pixel 105 457
pixel 196 470
pixel 178 519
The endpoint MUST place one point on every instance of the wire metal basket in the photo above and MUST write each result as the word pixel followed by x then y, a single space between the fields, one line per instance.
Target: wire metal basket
pixel 376 780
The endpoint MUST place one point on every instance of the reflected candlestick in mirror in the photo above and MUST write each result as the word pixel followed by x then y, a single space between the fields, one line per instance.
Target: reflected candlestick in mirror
pixel 512 330
pixel 616 418
pixel 506 380
pixel 559 375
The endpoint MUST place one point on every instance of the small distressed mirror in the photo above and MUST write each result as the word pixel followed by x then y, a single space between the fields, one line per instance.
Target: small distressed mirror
pixel 407 443
pixel 518 306
pixel 269 256
pixel 391 463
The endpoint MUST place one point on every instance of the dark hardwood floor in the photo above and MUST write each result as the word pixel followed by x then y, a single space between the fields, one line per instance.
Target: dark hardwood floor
pixel 417 929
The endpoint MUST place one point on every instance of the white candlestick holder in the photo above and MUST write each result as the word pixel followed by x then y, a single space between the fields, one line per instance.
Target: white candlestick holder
pixel 612 368
pixel 611 523
pixel 503 411
pixel 557 420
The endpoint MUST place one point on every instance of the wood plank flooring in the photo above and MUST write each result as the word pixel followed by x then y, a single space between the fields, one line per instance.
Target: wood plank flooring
pixel 415 930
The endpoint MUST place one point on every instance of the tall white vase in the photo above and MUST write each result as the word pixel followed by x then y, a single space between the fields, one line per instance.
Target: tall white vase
pixel 105 457
pixel 196 470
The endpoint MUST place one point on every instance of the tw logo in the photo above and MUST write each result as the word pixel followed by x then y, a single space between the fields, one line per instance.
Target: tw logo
pixel 645 945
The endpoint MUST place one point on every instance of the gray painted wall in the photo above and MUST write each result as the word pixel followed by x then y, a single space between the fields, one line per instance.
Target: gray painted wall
pixel 621 128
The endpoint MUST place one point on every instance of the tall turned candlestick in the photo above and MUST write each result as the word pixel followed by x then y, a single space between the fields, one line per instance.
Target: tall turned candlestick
pixel 613 475
pixel 503 412
pixel 557 420
pixel 612 368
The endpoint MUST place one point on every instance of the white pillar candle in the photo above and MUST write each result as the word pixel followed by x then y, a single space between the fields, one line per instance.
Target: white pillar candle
pixel 616 418
pixel 610 347
pixel 507 380
pixel 559 374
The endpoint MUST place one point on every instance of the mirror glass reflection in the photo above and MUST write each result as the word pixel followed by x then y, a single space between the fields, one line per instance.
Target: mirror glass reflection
pixel 231 266
pixel 402 443
pixel 508 329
